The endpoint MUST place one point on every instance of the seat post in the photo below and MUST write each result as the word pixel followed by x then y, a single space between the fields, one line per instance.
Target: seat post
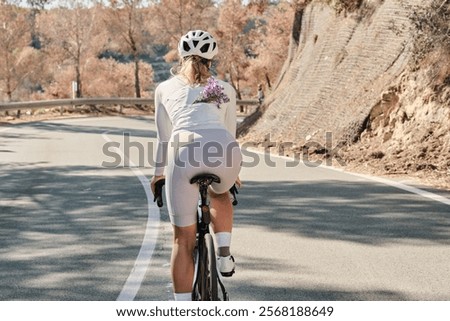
pixel 203 187
pixel 204 205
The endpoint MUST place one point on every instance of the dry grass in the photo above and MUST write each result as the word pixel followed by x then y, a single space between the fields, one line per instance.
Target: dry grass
pixel 432 45
pixel 431 25
pixel 345 5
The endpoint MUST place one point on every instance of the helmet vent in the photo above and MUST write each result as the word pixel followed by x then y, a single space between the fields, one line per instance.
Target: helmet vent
pixel 205 48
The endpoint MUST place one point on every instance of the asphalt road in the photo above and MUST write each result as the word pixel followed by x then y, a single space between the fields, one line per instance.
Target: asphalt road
pixel 77 223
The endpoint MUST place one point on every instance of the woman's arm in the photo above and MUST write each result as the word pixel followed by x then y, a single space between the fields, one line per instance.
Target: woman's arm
pixel 230 112
pixel 164 131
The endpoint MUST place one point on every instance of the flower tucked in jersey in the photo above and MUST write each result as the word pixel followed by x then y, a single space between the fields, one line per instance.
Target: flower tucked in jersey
pixel 212 93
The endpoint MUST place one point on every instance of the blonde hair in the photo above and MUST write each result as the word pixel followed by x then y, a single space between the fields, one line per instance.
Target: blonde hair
pixel 194 68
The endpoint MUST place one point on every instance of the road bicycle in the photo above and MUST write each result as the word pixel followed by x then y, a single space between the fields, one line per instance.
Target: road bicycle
pixel 207 279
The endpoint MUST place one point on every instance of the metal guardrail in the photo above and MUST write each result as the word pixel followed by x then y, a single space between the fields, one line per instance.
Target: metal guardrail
pixel 73 102
pixel 5 106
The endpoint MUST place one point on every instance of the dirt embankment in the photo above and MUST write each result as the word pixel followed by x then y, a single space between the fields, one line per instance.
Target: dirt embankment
pixel 351 86
pixel 408 131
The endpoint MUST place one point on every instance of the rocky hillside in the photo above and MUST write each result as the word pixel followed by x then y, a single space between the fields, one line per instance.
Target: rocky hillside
pixel 351 91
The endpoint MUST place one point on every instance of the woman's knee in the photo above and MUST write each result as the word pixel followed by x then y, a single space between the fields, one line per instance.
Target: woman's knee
pixel 184 236
pixel 216 195
pixel 220 202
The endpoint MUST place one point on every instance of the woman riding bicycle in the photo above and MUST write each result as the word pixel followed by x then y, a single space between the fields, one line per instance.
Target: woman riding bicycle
pixel 196 126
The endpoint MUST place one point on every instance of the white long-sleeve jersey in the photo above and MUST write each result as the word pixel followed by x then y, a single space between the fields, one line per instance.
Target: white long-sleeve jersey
pixel 175 111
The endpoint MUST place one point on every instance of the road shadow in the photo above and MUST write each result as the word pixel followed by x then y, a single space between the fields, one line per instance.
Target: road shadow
pixel 362 212
pixel 68 233
pixel 68 127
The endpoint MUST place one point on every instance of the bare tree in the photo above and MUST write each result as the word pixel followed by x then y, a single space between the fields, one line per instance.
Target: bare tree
pixel 39 4
pixel 126 21
pixel 173 18
pixel 269 40
pixel 68 34
pixel 14 50
pixel 36 7
pixel 233 43
pixel 111 78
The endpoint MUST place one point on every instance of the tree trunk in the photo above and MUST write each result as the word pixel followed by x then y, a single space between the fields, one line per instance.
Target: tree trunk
pixel 293 42
pixel 8 89
pixel 137 84
pixel 79 91
pixel 269 84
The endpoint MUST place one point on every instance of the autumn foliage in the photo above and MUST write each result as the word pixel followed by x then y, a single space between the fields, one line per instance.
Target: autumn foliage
pixel 114 48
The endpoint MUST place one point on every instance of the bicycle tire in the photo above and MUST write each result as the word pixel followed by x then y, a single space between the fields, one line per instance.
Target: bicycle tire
pixel 212 269
pixel 200 290
pixel 203 271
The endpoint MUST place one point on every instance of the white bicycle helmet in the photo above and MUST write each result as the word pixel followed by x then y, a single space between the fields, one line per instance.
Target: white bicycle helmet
pixel 199 43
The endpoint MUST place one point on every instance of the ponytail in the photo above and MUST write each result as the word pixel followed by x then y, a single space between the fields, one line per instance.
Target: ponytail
pixel 194 68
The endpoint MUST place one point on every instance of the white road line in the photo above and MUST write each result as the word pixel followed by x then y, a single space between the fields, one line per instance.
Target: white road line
pixel 411 189
pixel 414 190
pixel 137 274
pixel 4 129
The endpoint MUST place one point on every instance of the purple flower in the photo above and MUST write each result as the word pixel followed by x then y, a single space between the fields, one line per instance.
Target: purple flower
pixel 212 93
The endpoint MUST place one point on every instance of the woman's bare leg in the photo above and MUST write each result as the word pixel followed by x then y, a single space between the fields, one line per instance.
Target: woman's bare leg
pixel 222 218
pixel 182 261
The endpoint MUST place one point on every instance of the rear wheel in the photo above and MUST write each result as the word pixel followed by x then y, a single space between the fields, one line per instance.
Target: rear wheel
pixel 206 281
pixel 212 270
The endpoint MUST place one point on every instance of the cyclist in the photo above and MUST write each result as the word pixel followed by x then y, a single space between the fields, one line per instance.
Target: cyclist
pixel 196 136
